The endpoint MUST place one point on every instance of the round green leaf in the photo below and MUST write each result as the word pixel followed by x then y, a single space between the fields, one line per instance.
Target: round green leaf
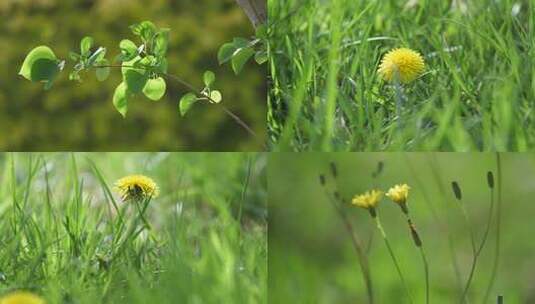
pixel 161 42
pixel 261 57
pixel 127 45
pixel 225 52
pixel 240 42
pixel 209 78
pixel 120 99
pixel 39 53
pixel 240 58
pixel 186 102
pixel 128 49
pixel 135 81
pixel 102 73
pixel 216 96
pixel 155 88
pixel 134 78
pixel 85 45
pixel 44 70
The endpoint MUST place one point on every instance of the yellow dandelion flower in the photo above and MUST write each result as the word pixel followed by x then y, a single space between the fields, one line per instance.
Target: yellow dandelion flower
pixel 407 63
pixel 136 187
pixel 399 193
pixel 21 297
pixel 368 200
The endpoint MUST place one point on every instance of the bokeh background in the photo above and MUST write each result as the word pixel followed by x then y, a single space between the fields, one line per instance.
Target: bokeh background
pixel 75 116
pixel 311 258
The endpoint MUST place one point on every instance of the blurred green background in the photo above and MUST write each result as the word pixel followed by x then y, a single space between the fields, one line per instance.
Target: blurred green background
pixel 311 258
pixel 207 242
pixel 75 116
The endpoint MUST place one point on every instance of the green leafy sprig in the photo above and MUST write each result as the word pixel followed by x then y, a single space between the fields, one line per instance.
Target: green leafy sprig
pixel 144 70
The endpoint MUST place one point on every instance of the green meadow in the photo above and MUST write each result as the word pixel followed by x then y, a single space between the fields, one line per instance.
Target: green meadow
pixel 67 236
pixel 477 92
pixel 477 242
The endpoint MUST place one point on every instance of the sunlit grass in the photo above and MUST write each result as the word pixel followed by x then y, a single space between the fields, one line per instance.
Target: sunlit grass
pixel 68 236
pixel 476 92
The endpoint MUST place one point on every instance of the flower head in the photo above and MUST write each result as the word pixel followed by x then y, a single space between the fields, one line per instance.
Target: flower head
pixel 399 193
pixel 136 187
pixel 368 200
pixel 21 297
pixel 407 63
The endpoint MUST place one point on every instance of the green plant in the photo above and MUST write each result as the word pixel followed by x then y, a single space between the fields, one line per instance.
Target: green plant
pixel 476 91
pixel 143 66
pixel 69 236
pixel 240 50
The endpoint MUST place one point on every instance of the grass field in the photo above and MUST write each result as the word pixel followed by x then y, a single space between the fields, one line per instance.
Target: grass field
pixel 67 236
pixel 477 91
pixel 312 258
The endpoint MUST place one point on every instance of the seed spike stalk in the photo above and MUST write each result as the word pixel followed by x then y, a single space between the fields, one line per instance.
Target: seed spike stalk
pixel 336 201
pixel 392 255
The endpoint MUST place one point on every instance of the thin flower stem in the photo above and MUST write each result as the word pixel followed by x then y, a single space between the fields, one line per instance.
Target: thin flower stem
pixel 361 255
pixel 426 271
pixel 391 252
pixel 498 230
pixel 466 217
pixel 419 244
pixel 184 83
pixel 442 223
pixel 470 228
pixel 479 249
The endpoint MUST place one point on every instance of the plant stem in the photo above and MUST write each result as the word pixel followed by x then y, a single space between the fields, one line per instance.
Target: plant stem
pixel 426 271
pixel 480 248
pixel 418 242
pixel 498 230
pixel 391 252
pixel 335 201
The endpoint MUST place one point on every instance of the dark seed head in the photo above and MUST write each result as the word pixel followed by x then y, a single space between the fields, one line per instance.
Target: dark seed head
pixel 337 195
pixel 334 172
pixel 380 166
pixel 456 190
pixel 490 179
pixel 322 179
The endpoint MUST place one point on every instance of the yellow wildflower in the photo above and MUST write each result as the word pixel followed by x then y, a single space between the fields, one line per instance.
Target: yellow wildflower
pixel 399 193
pixel 408 64
pixel 136 187
pixel 368 200
pixel 21 297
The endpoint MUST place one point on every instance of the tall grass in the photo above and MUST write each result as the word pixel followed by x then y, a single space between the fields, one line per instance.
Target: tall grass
pixel 476 94
pixel 67 236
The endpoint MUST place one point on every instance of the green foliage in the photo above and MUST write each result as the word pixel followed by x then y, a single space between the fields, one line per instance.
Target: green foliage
pixel 155 88
pixel 120 99
pixel 186 102
pixel 476 93
pixel 143 66
pixel 82 117
pixel 41 65
pixel 240 50
pixel 207 94
pixel 323 267
pixel 67 236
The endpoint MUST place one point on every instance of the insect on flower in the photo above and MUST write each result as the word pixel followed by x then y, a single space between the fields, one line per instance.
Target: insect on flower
pixel 403 62
pixel 136 187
